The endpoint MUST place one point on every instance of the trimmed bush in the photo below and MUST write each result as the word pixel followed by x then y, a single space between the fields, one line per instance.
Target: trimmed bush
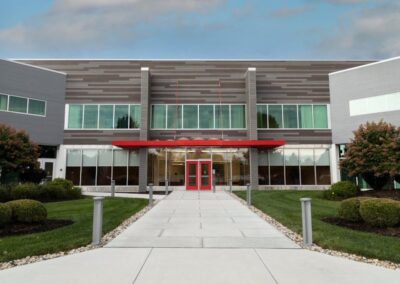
pixel 27 211
pixel 5 192
pixel 74 193
pixel 5 214
pixel 66 184
pixel 53 192
pixel 25 191
pixel 341 190
pixel 380 212
pixel 350 209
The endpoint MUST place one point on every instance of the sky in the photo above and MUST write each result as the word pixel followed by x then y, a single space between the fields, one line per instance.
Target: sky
pixel 200 29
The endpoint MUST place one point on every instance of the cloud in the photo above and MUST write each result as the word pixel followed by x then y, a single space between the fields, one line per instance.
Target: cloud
pixel 291 11
pixel 369 33
pixel 95 23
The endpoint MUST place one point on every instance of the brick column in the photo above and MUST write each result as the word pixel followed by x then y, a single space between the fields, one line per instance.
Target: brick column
pixel 144 125
pixel 251 97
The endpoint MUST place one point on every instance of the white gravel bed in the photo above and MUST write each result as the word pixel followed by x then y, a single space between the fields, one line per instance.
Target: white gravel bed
pixel 299 240
pixel 105 239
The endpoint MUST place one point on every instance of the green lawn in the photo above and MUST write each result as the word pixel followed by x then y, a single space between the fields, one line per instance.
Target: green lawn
pixel 78 234
pixel 284 206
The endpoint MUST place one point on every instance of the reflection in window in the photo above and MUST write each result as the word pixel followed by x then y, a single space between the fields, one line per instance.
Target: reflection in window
pixel 3 102
pixel 190 114
pixel 290 116
pixel 73 167
pixel 106 117
pixel 305 116
pixel 75 116
pixel 104 167
pixel 276 167
pixel 36 107
pixel 89 163
pixel 262 116
pixel 174 114
pixel 320 116
pixel 134 118
pixel 120 162
pixel 221 116
pixel 275 116
pixel 18 104
pixel 238 119
pixel 121 116
pixel 206 115
pixel 90 116
pixel 158 116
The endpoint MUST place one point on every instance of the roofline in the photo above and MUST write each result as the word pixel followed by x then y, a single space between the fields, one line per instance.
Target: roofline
pixel 34 66
pixel 187 59
pixel 365 65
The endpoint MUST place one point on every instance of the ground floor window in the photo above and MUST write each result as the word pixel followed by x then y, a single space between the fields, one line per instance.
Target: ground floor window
pixel 294 166
pixel 170 164
pixel 97 167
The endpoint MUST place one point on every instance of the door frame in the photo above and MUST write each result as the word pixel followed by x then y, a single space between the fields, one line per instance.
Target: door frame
pixel 198 163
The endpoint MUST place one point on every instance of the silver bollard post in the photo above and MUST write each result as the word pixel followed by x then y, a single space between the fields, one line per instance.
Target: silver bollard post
pixel 113 188
pixel 248 194
pixel 213 182
pixel 306 220
pixel 230 185
pixel 150 194
pixel 97 219
pixel 166 187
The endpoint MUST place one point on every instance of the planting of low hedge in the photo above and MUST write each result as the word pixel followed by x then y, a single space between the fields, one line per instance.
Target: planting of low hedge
pixel 5 214
pixel 380 212
pixel 27 211
pixel 56 190
pixel 341 190
pixel 349 209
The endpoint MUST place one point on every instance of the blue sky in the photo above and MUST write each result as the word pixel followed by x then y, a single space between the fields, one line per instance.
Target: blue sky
pixel 200 29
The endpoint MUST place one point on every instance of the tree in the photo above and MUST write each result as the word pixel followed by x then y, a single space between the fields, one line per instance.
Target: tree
pixel 18 155
pixel 374 153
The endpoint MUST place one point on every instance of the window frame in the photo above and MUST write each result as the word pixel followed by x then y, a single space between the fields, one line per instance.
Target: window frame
pixel 27 105
pixel 198 113
pixel 98 116
pixel 328 112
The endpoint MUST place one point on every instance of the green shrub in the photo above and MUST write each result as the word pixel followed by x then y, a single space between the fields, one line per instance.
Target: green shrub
pixel 25 191
pixel 5 192
pixel 27 211
pixel 341 190
pixel 380 212
pixel 349 209
pixel 66 184
pixel 53 192
pixel 5 214
pixel 74 193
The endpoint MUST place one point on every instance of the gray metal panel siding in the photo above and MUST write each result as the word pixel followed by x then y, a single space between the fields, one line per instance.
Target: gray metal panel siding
pixel 368 81
pixel 297 136
pixel 98 137
pixel 26 81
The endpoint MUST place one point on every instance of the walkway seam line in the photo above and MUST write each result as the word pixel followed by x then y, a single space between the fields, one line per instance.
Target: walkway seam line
pixel 141 268
pixel 265 265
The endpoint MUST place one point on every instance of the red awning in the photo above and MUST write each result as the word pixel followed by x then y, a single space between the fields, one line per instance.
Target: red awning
pixel 198 143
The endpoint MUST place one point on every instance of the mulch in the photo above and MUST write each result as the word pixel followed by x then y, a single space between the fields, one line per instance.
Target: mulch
pixel 393 194
pixel 392 232
pixel 24 229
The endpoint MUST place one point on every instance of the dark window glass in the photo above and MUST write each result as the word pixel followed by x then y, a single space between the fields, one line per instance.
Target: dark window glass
pixel 133 176
pixel 263 175
pixel 277 175
pixel 37 107
pixel 88 175
pixel 73 174
pixel 119 175
pixel 292 175
pixel 134 118
pixel 3 102
pixel 121 116
pixel 47 151
pixel 307 175
pixel 275 116
pixel 103 175
pixel 18 104
pixel 262 117
pixel 323 175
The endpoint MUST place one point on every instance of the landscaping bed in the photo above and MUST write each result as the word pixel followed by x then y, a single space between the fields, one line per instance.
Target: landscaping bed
pixel 391 231
pixel 75 235
pixel 284 206
pixel 27 228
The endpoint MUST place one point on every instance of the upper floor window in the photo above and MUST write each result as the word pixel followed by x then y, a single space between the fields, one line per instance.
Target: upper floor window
pixel 104 116
pixel 292 116
pixel 376 104
pixel 198 116
pixel 23 105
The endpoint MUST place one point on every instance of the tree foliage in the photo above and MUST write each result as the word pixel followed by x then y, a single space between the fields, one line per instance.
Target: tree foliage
pixel 374 153
pixel 18 155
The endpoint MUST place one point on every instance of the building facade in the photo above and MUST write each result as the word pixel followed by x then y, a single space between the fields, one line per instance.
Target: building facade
pixel 192 123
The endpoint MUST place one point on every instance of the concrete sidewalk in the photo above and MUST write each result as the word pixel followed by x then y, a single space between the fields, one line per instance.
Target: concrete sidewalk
pixel 200 237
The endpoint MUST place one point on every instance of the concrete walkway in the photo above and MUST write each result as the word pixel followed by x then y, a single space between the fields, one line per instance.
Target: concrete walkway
pixel 205 237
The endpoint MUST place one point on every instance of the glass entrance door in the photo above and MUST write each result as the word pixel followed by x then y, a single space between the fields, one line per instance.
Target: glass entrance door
pixel 198 175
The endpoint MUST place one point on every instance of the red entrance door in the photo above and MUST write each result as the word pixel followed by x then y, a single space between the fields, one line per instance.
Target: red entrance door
pixel 198 175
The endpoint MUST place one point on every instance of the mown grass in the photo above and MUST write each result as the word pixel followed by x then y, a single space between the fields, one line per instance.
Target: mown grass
pixel 72 236
pixel 284 206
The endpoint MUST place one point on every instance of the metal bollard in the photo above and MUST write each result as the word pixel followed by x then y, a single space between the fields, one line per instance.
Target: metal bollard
pixel 97 219
pixel 306 220
pixel 230 185
pixel 248 194
pixel 150 194
pixel 113 188
pixel 213 183
pixel 166 187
